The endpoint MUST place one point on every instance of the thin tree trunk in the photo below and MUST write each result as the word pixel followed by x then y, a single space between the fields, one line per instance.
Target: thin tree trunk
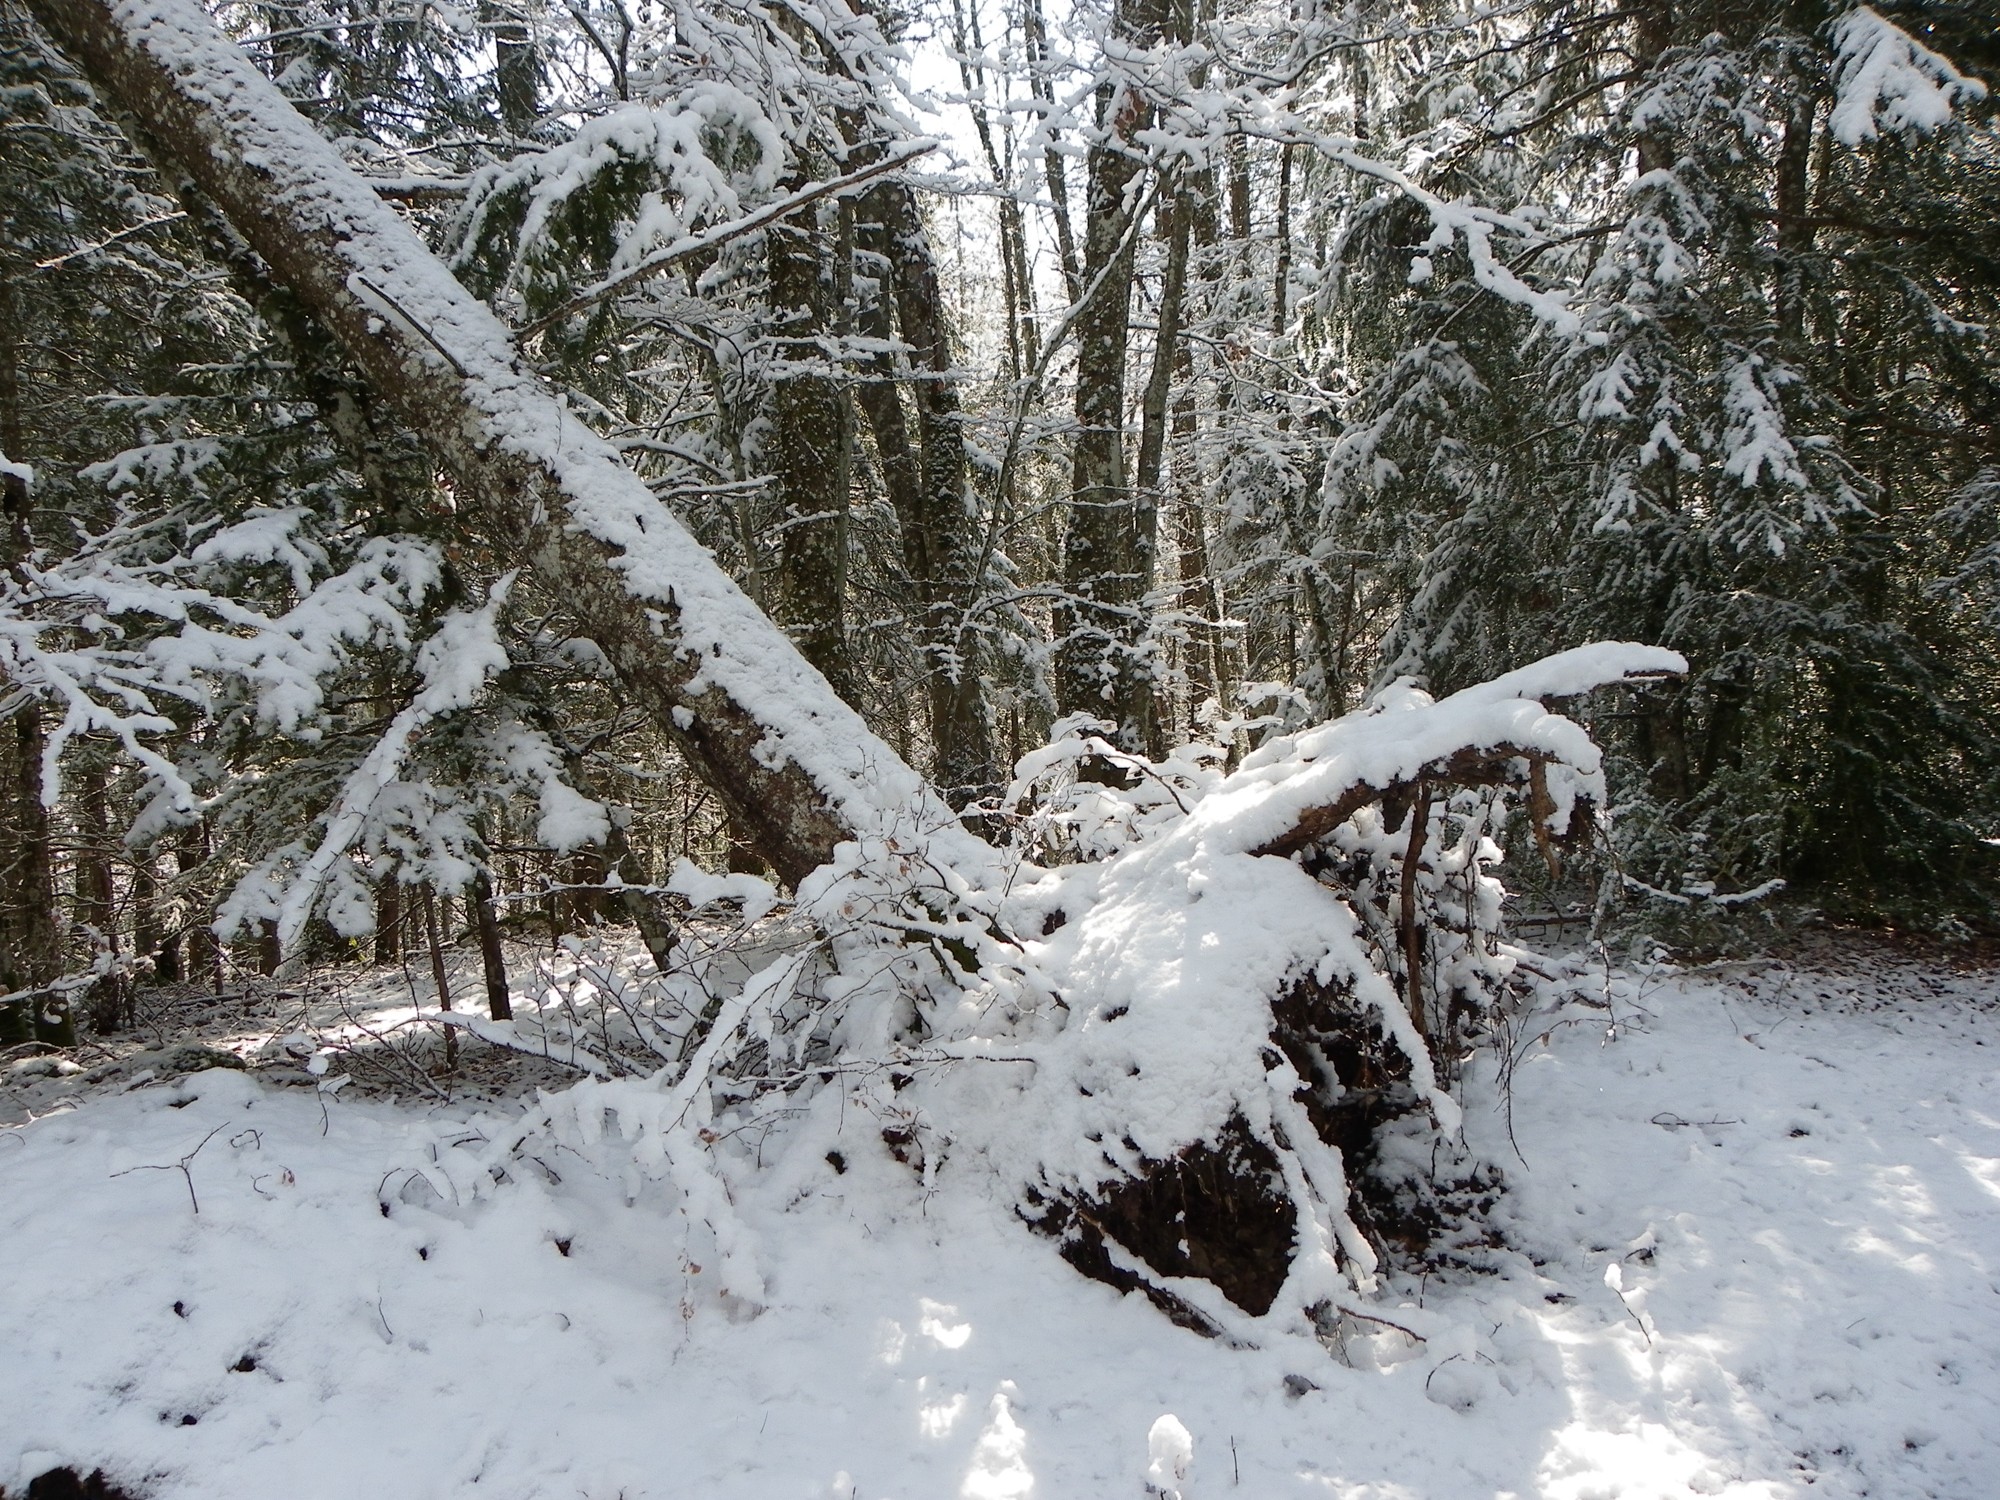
pixel 945 558
pixel 145 911
pixel 1794 227
pixel 1281 276
pixel 811 447
pixel 492 958
pixel 30 932
pixel 1017 287
pixel 96 906
pixel 1176 214
pixel 1200 596
pixel 388 919
pixel 1036 34
pixel 204 956
pixel 517 71
pixel 439 978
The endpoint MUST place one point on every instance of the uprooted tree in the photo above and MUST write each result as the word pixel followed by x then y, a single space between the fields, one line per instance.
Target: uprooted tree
pixel 1179 1014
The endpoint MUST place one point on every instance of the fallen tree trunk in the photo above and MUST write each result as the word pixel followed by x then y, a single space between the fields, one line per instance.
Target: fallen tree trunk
pixel 798 769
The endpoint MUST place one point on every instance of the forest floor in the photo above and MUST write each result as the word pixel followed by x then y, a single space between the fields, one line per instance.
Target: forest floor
pixel 1751 1247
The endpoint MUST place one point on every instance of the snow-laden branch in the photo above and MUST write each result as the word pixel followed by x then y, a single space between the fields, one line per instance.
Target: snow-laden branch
pixel 1885 76
pixel 455 663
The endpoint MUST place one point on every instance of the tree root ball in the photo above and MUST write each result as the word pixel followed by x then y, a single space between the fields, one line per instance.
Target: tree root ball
pixel 1220 1211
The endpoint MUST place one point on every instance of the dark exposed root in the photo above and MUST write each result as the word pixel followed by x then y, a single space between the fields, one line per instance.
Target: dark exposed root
pixel 63 1484
pixel 1220 1210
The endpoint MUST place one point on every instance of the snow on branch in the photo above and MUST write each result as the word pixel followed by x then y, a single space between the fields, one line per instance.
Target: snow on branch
pixel 1295 788
pixel 1887 78
pixel 455 663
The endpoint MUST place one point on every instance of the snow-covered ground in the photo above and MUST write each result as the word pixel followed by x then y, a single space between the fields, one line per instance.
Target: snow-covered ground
pixel 1753 1249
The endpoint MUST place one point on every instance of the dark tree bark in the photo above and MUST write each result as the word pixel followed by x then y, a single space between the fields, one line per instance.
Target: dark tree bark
pixel 1200 595
pixel 1108 548
pixel 96 903
pixel 1036 34
pixel 439 978
pixel 30 933
pixel 941 541
pixel 204 951
pixel 492 958
pixel 811 445
pixel 517 70
pixel 388 919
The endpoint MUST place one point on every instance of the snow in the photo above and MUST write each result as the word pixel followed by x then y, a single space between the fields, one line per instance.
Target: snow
pixel 1886 77
pixel 1749 1253
pixel 1169 1451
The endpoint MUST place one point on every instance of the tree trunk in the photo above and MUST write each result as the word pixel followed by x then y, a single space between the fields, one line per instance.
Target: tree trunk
pixel 492 959
pixel 146 943
pixel 438 976
pixel 30 935
pixel 388 919
pixel 1101 626
pixel 1201 601
pixel 204 952
pixel 1036 35
pixel 96 901
pixel 795 767
pixel 811 446
pixel 941 541
pixel 517 71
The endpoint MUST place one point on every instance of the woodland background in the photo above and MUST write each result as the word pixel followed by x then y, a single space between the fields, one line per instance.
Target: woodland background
pixel 1218 364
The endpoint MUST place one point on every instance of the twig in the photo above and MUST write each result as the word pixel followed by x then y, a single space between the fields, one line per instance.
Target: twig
pixel 1644 1332
pixel 180 1166
pixel 415 327
pixel 1351 1312
pixel 721 234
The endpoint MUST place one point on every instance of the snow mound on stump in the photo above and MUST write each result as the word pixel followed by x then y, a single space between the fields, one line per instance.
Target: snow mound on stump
pixel 1179 1122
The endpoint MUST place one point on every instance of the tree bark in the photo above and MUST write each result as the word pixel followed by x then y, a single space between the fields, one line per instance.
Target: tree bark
pixel 941 544
pixel 388 919
pixel 96 902
pixel 811 447
pixel 439 978
pixel 492 958
pixel 1036 34
pixel 1101 625
pixel 796 768
pixel 517 70
pixel 30 935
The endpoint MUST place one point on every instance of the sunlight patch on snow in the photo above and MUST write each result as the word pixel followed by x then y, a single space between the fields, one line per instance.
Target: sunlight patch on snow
pixel 891 1342
pixel 1984 1170
pixel 1344 1489
pixel 1867 1242
pixel 999 1460
pixel 1588 1463
pixel 938 1418
pixel 936 1327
